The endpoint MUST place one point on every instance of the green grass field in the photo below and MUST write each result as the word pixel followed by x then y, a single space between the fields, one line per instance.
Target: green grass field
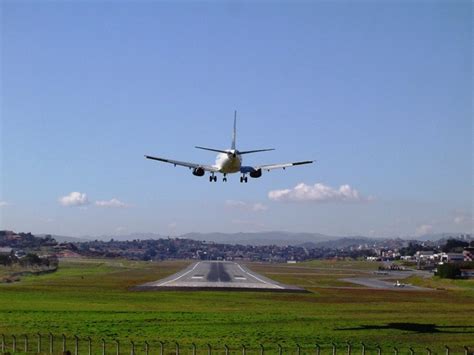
pixel 92 298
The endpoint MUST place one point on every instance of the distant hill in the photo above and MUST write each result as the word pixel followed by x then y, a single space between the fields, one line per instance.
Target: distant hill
pixel 344 242
pixel 441 236
pixel 259 238
pixel 280 238
pixel 131 236
pixel 24 240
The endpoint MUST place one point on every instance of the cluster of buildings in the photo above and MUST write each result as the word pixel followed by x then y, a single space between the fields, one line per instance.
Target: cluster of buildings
pixel 457 255
pixel 176 248
pixel 428 257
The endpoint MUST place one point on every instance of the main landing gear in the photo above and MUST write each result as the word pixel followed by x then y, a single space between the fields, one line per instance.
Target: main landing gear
pixel 213 178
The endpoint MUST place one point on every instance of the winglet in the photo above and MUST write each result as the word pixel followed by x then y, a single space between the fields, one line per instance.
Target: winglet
pixel 235 130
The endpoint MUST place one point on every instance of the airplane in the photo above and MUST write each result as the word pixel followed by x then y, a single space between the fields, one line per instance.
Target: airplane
pixel 229 161
pixel 399 284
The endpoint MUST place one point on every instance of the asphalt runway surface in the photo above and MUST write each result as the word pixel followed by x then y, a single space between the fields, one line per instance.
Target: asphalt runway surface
pixel 388 281
pixel 206 275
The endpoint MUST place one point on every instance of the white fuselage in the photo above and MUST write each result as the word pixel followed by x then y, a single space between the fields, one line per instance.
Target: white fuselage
pixel 229 163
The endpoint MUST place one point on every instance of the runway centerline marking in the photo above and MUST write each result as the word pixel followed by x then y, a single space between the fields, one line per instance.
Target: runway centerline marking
pixel 180 276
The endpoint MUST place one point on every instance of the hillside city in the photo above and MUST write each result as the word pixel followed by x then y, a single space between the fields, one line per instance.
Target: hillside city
pixel 454 249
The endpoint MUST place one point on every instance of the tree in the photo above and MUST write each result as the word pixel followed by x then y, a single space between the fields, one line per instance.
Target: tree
pixel 448 271
pixel 454 245
pixel 453 270
pixel 31 259
pixel 412 248
pixel 5 260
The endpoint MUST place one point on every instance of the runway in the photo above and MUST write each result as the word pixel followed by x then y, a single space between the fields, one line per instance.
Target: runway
pixel 207 275
pixel 387 282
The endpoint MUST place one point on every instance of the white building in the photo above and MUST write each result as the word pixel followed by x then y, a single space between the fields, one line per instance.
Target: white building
pixel 452 257
pixel 424 255
pixel 5 250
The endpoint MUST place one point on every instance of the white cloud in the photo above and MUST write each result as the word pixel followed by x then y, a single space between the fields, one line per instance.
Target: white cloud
pixel 255 207
pixel 74 199
pixel 113 203
pixel 258 207
pixel 463 218
pixel 318 193
pixel 234 203
pixel 3 203
pixel 424 229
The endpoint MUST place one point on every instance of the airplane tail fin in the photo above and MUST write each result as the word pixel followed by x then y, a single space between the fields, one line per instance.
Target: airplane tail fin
pixel 235 130
pixel 234 136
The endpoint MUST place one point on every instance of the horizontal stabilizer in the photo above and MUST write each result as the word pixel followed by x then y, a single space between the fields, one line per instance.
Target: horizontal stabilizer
pixel 213 150
pixel 256 151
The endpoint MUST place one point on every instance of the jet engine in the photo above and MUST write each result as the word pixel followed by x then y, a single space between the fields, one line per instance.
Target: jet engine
pixel 198 172
pixel 256 173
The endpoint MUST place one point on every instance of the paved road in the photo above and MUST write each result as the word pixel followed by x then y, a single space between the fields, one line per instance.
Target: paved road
pixel 218 274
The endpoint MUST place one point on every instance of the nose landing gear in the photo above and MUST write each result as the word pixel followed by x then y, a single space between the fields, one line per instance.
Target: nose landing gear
pixel 224 178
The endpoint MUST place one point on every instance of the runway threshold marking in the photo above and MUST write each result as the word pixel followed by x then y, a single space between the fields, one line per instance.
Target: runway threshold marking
pixel 257 278
pixel 180 276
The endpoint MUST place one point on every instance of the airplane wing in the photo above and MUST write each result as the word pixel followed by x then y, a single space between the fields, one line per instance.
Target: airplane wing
pixel 184 163
pixel 283 165
pixel 258 169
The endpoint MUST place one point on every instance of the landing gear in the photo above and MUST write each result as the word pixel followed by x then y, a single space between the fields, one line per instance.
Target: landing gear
pixel 244 178
pixel 212 178
pixel 224 178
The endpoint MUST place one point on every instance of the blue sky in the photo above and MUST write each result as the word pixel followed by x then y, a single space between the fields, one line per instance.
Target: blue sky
pixel 378 92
